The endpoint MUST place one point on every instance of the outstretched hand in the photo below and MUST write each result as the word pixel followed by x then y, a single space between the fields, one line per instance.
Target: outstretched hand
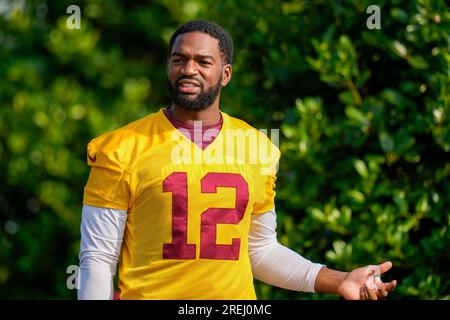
pixel 364 283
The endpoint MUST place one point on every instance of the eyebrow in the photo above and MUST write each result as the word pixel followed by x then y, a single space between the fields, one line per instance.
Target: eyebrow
pixel 201 56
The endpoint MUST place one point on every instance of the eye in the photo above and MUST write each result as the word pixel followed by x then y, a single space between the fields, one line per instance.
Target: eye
pixel 177 60
pixel 204 63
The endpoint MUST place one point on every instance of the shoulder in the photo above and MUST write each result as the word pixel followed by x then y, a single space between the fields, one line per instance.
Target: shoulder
pixel 261 134
pixel 238 123
pixel 255 143
pixel 124 144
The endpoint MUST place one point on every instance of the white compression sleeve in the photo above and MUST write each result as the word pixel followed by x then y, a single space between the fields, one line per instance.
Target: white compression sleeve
pixel 101 240
pixel 275 264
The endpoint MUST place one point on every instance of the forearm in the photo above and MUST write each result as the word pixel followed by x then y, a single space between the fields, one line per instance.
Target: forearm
pixel 95 280
pixel 284 268
pixel 102 232
pixel 328 280
pixel 275 264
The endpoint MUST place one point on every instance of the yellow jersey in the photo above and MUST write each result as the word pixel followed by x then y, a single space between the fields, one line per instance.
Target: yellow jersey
pixel 189 209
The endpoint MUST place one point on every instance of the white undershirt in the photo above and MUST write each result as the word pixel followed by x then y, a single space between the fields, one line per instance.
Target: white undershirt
pixel 102 232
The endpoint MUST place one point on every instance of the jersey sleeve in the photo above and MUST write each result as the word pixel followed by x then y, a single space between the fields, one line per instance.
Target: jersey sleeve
pixel 108 183
pixel 266 177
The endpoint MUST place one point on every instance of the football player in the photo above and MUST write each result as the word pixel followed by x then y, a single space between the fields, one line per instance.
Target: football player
pixel 183 199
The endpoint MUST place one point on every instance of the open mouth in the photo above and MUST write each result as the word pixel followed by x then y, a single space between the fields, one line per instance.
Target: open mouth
pixel 188 86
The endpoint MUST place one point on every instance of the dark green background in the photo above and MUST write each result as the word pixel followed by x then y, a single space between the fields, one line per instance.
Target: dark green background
pixel 364 118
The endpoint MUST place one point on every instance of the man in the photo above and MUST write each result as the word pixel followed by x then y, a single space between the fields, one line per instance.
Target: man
pixel 188 219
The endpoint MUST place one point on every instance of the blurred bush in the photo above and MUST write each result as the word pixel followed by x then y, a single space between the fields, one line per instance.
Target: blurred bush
pixel 364 116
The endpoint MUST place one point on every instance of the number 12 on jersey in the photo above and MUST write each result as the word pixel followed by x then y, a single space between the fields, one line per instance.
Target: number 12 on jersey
pixel 177 184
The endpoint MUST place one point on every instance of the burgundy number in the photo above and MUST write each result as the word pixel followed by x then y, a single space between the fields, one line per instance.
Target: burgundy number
pixel 209 249
pixel 179 248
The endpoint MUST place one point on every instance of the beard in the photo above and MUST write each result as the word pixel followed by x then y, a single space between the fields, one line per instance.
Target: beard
pixel 187 101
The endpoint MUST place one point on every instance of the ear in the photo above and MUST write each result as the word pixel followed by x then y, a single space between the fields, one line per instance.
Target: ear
pixel 227 71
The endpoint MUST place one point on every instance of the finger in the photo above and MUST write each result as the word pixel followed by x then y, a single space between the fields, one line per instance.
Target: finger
pixel 381 292
pixel 385 266
pixel 390 286
pixel 372 294
pixel 363 294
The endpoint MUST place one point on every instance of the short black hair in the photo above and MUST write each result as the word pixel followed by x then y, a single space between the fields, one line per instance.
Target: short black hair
pixel 210 28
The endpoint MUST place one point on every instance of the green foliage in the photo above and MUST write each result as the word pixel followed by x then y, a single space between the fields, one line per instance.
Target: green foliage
pixel 364 116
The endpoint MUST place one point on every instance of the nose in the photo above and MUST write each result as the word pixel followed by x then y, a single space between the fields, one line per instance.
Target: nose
pixel 189 68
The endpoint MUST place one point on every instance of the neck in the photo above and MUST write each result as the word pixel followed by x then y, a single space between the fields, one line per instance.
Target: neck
pixel 210 115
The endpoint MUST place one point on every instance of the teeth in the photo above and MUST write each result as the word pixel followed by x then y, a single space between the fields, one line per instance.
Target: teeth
pixel 189 85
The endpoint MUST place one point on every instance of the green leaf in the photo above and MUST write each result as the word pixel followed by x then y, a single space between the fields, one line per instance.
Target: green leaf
pixel 399 48
pixel 355 114
pixel 386 141
pixel 394 97
pixel 347 98
pixel 403 142
pixel 399 15
pixel 418 62
pixel 422 205
pixel 361 167
pixel 356 196
pixel 317 214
